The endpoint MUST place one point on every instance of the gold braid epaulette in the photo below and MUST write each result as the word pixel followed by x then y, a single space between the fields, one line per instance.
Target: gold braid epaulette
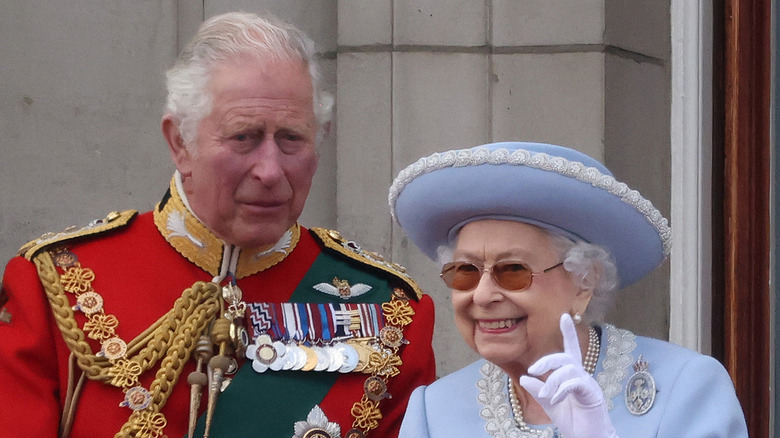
pixel 112 221
pixel 171 338
pixel 334 240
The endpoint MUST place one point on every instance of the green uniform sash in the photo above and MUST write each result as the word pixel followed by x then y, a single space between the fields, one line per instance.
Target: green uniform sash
pixel 268 404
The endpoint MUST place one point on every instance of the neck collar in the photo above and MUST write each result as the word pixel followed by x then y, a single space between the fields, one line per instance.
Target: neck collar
pixel 193 240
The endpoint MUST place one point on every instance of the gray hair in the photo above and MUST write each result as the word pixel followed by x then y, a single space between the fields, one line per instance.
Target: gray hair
pixel 590 266
pixel 225 37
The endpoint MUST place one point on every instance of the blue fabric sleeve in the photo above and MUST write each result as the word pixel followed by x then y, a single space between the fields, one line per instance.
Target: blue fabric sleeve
pixel 703 403
pixel 415 423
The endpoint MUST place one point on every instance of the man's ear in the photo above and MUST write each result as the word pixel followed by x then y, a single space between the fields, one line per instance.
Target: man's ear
pixel 179 153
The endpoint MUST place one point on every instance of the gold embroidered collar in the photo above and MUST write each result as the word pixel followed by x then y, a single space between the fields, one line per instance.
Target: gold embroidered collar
pixel 193 240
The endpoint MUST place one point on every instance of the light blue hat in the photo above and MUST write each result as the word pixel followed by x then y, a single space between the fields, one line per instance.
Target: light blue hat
pixel 553 187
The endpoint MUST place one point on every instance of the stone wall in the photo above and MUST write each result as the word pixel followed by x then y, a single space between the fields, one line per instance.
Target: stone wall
pixel 83 92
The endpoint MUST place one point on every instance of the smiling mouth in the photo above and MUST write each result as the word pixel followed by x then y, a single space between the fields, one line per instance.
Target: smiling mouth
pixel 498 324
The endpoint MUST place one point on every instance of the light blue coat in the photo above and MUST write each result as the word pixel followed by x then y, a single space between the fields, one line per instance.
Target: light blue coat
pixel 694 396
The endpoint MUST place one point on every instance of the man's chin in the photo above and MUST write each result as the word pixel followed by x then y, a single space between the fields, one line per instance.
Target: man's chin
pixel 257 237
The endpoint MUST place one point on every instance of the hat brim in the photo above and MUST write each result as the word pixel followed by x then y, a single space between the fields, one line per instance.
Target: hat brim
pixel 553 187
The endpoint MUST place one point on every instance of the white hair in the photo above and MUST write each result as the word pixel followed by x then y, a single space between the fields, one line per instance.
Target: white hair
pixel 226 37
pixel 591 267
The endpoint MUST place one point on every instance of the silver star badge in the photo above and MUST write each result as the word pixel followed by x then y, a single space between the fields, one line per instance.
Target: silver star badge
pixel 317 426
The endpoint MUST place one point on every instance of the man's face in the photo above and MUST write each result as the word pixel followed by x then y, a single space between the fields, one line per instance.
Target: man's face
pixel 249 173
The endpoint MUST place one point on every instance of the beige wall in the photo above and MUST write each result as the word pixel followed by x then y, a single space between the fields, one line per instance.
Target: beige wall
pixel 82 83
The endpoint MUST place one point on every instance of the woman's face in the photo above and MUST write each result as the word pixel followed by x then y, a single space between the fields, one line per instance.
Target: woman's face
pixel 513 329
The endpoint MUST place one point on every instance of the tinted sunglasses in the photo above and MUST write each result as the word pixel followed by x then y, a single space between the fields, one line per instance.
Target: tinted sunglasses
pixel 508 275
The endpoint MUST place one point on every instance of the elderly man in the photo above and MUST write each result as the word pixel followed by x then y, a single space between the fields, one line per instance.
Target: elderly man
pixel 217 314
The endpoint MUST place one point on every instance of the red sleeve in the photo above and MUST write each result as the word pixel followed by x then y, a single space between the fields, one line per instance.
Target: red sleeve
pixel 29 374
pixel 419 368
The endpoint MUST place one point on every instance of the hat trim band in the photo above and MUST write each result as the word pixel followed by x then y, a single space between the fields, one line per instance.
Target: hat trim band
pixel 541 161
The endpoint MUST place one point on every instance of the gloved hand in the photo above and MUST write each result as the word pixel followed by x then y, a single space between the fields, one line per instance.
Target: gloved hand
pixel 571 397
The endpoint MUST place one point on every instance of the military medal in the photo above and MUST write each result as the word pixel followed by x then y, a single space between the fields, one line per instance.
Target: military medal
pixel 137 398
pixel 364 354
pixel 316 426
pixel 336 359
pixel 113 349
pixel 89 303
pixel 391 336
pixel 265 352
pixel 640 390
pixel 311 358
pixel 323 358
pixel 262 353
pixel 316 433
pixel 355 433
pixel 64 258
pixel 375 388
pixel 281 352
pixel 291 357
pixel 259 366
pixel 350 356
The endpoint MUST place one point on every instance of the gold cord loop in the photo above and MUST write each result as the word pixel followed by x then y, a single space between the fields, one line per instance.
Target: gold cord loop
pixel 172 338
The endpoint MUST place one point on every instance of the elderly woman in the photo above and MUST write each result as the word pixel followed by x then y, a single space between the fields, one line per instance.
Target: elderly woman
pixel 535 240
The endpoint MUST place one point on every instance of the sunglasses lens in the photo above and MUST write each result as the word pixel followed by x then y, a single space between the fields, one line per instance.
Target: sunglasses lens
pixel 512 275
pixel 461 276
pixel 507 275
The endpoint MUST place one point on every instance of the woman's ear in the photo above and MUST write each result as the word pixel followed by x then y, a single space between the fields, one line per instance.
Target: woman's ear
pixel 582 301
pixel 179 153
pixel 588 285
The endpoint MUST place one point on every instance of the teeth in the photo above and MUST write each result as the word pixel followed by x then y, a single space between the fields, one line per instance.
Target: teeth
pixel 492 325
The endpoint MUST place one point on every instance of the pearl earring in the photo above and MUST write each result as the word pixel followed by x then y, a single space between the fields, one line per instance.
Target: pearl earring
pixel 577 318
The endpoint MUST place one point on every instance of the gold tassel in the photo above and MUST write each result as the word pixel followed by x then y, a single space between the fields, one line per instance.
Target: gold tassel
pixel 218 367
pixel 197 380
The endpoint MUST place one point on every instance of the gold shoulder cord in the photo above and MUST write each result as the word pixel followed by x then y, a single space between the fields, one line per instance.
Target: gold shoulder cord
pixel 173 336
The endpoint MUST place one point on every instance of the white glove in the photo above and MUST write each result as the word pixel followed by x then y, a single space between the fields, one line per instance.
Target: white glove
pixel 571 397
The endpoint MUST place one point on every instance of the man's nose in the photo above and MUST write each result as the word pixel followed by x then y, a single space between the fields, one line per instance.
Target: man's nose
pixel 267 164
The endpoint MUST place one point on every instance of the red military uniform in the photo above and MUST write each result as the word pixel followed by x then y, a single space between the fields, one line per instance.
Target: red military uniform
pixel 146 281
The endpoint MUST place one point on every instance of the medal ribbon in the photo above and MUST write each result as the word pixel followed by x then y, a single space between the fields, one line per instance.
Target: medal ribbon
pixel 279 331
pixel 313 323
pixel 313 320
pixel 292 323
pixel 342 319
pixel 302 315
pixel 324 321
pixel 260 317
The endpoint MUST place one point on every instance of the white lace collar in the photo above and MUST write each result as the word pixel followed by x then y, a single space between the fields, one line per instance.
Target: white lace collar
pixel 614 363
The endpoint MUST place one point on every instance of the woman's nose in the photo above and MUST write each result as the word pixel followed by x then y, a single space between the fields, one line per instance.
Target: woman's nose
pixel 487 291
